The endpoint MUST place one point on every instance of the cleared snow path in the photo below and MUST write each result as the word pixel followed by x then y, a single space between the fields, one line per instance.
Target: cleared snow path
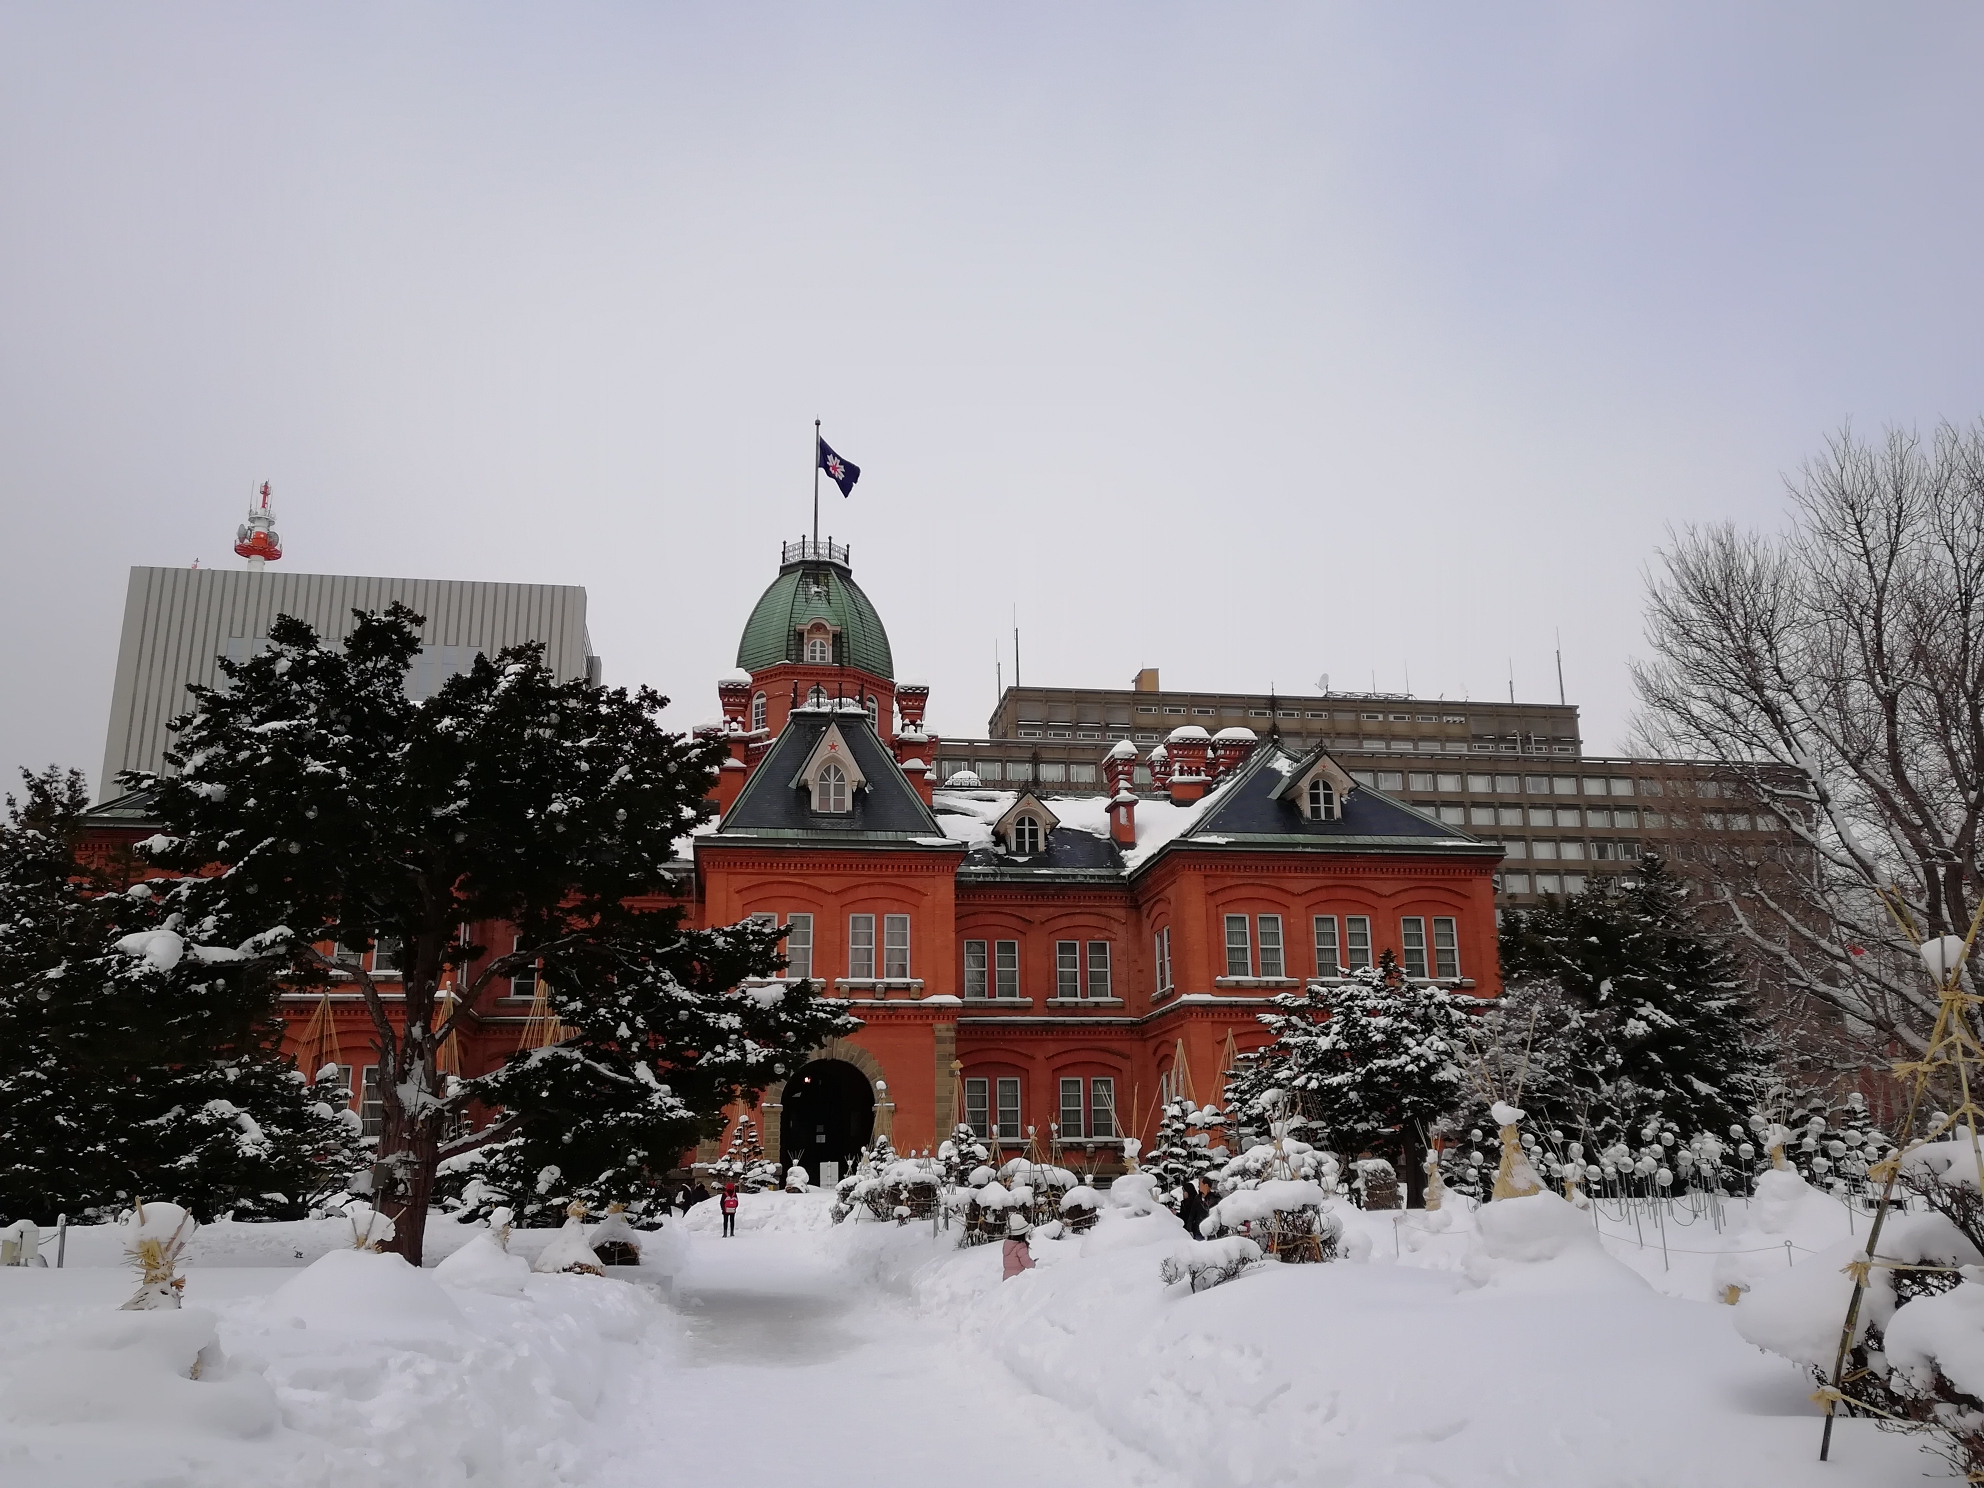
pixel 784 1361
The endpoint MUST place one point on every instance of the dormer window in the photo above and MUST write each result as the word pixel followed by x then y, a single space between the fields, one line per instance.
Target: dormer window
pixel 1026 836
pixel 873 712
pixel 819 650
pixel 830 790
pixel 758 713
pixel 1322 800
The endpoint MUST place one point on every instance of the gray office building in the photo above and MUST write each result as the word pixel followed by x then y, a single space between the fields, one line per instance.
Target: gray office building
pixel 178 620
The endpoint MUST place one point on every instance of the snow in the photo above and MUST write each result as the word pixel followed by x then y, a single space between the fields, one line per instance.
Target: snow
pixel 968 816
pixel 1943 1333
pixel 1528 1343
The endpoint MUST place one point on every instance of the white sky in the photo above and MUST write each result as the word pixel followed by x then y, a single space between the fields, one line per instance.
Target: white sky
pixel 1252 343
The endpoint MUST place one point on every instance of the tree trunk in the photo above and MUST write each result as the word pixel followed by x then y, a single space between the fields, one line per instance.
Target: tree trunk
pixel 409 1148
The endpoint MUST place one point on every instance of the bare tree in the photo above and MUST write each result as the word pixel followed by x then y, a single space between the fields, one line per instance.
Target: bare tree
pixel 1837 671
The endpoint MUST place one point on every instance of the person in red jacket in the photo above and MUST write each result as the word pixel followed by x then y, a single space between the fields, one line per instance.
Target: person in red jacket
pixel 729 1209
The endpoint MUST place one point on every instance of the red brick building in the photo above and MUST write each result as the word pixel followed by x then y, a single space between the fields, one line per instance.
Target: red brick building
pixel 1033 964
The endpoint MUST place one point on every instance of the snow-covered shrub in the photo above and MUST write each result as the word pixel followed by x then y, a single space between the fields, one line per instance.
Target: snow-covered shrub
pixel 1289 1218
pixel 744 1162
pixel 1080 1206
pixel 1917 1287
pixel 1210 1264
pixel 1188 1147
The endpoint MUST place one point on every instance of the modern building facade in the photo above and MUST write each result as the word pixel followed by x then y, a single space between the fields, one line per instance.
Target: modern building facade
pixel 178 621
pixel 1510 773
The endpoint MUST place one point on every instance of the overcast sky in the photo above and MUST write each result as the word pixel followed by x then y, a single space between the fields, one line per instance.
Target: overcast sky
pixel 1250 343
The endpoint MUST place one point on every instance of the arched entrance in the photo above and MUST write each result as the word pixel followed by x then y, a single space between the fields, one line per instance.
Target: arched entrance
pixel 829 1115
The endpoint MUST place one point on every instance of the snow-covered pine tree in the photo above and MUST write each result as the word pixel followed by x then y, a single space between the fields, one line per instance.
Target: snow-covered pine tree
pixel 962 1155
pixel 347 813
pixel 132 1064
pixel 1183 1150
pixel 1659 1024
pixel 743 1162
pixel 1373 1063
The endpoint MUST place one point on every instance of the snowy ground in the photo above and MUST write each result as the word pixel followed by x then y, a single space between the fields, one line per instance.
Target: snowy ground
pixel 864 1354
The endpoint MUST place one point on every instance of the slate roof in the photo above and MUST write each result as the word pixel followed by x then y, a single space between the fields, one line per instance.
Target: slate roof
pixel 886 810
pixel 808 590
pixel 1067 850
pixel 1246 814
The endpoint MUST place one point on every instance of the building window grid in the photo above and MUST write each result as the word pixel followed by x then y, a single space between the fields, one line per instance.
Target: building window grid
pixel 1006 968
pixel 1412 945
pixel 1239 947
pixel 895 947
pixel 975 970
pixel 1067 968
pixel 1009 1109
pixel 861 947
pixel 1268 928
pixel 977 1106
pixel 1328 962
pixel 1356 941
pixel 1446 948
pixel 1071 1109
pixel 799 946
pixel 1161 960
pixel 1099 972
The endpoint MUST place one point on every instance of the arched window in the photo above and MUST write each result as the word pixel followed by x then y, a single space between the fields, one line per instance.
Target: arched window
pixel 830 789
pixel 816 697
pixel 872 714
pixel 1322 800
pixel 819 648
pixel 1026 835
pixel 757 712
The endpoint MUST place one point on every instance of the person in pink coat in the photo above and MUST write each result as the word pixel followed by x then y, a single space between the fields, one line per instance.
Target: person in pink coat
pixel 1018 1253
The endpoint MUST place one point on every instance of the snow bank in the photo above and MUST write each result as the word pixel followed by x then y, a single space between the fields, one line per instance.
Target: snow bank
pixel 1945 1333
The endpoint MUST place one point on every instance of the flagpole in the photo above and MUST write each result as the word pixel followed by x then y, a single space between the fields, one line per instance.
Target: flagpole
pixel 816 484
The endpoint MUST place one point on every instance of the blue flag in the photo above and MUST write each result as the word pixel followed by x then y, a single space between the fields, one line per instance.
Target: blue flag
pixel 843 473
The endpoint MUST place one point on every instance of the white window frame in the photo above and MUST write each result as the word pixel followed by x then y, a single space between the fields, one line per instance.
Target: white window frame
pixel 861 948
pixel 1329 948
pixel 760 713
pixel 1067 968
pixel 371 1103
pixel 521 985
pixel 1237 924
pixel 830 795
pixel 895 947
pixel 819 650
pixel 1412 945
pixel 1161 960
pixel 1102 1108
pixel 1008 1086
pixel 1026 835
pixel 1072 1130
pixel 1356 941
pixel 978 977
pixel 1005 968
pixel 1101 976
pixel 1322 800
pixel 1271 952
pixel 1446 948
pixel 799 946
pixel 978 1104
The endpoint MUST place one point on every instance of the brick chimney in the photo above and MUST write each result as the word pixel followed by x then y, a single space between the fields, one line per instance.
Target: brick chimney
pixel 1230 748
pixel 1189 745
pixel 1160 768
pixel 911 699
pixel 1119 769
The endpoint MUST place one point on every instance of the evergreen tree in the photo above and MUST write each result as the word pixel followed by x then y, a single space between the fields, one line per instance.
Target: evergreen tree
pixel 1187 1147
pixel 1373 1063
pixel 347 813
pixel 743 1162
pixel 131 1065
pixel 1654 1024
pixel 962 1155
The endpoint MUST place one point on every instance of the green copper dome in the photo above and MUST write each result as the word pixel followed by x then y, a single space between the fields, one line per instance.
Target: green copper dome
pixel 814 583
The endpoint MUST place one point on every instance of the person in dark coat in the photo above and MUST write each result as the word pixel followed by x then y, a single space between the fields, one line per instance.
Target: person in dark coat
pixel 698 1194
pixel 1195 1207
pixel 729 1209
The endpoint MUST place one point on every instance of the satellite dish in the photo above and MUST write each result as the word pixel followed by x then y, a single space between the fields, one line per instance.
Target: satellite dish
pixel 1323 682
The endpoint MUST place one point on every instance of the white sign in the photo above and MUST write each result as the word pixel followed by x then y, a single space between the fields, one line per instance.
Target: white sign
pixel 829 1174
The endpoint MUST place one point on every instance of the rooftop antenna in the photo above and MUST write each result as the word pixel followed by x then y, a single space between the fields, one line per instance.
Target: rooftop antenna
pixel 1560 668
pixel 257 539
pixel 1408 679
pixel 1512 679
pixel 1016 645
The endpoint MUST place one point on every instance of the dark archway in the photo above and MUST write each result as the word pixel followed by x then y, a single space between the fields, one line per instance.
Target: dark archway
pixel 829 1116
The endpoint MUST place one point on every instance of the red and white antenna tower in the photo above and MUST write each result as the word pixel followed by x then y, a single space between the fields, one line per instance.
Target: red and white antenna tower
pixel 257 539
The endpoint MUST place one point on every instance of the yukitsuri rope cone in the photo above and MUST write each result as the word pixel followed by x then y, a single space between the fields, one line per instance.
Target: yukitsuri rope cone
pixel 1953 1055
pixel 153 1243
pixel 1515 1177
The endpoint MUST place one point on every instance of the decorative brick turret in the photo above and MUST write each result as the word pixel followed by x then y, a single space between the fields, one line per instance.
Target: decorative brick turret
pixel 1230 748
pixel 1189 745
pixel 1160 768
pixel 734 690
pixel 911 699
pixel 1119 768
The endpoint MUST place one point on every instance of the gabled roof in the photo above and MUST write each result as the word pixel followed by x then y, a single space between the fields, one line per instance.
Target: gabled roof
pixel 775 802
pixel 1252 810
